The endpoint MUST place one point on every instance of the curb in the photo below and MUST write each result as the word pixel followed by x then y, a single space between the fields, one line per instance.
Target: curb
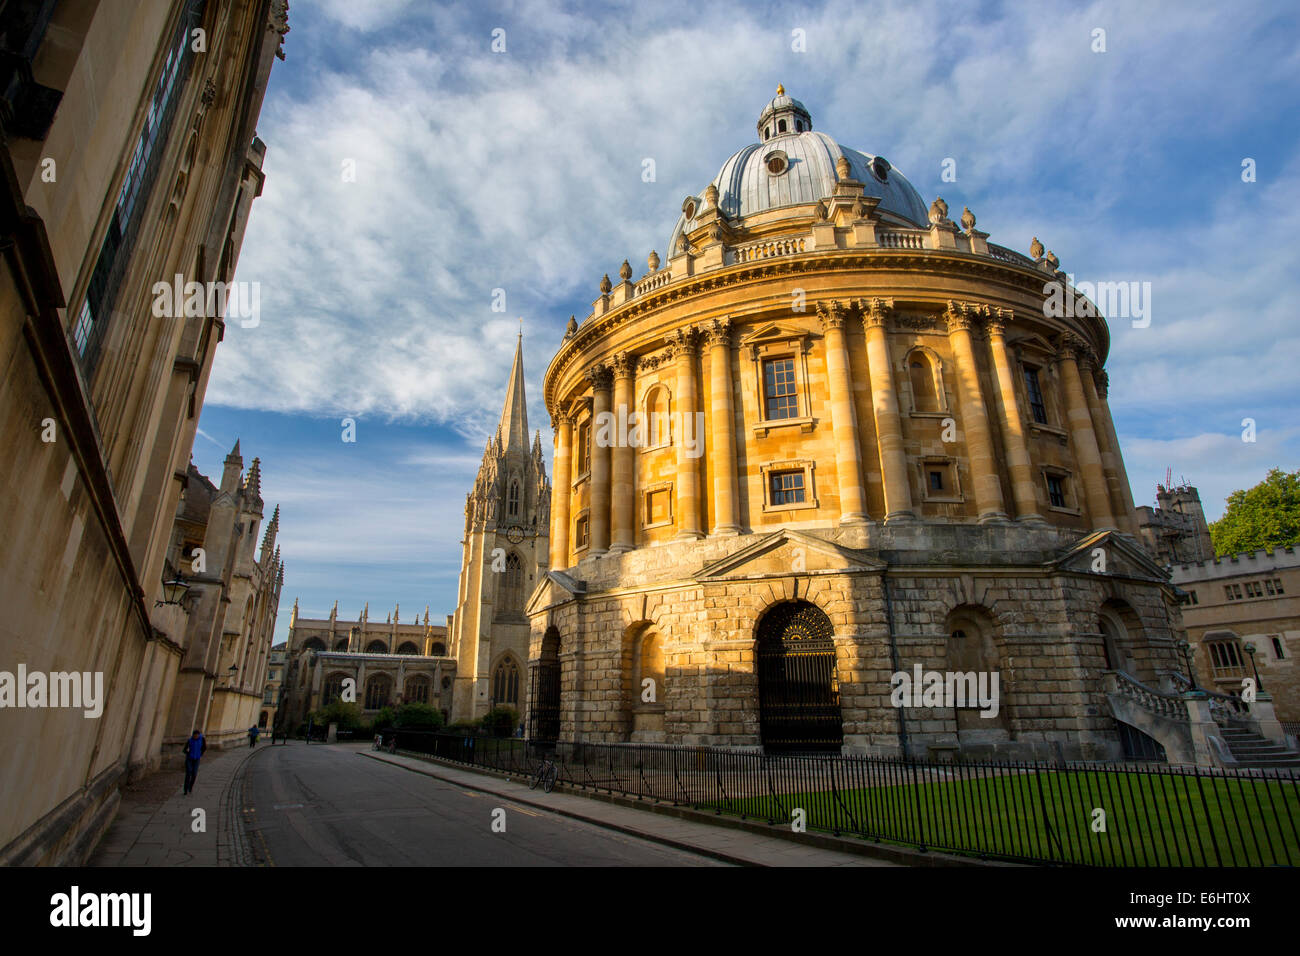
pixel 901 855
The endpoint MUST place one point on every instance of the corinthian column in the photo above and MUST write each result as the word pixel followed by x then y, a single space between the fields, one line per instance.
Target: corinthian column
pixel 623 537
pixel 604 434
pixel 1013 424
pixel 682 346
pixel 844 419
pixel 561 491
pixel 1082 436
pixel 975 415
pixel 1120 510
pixel 722 405
pixel 884 402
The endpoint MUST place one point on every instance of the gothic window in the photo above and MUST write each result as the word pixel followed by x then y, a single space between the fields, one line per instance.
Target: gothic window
pixel 379 689
pixel 341 644
pixel 439 649
pixel 1225 657
pixel 513 585
pixel 314 644
pixel 512 504
pixel 417 690
pixel 505 683
pixel 332 690
pixel 408 647
pixel 376 647
pixel 778 388
pixel 1034 391
pixel 921 375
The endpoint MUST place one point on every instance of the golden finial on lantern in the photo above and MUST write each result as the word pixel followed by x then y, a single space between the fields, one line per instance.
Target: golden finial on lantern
pixel 780 89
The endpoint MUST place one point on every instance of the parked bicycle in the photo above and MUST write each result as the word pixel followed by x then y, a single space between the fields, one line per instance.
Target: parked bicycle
pixel 546 775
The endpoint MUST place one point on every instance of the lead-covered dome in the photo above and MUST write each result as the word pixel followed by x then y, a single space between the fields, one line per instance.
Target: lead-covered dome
pixel 795 165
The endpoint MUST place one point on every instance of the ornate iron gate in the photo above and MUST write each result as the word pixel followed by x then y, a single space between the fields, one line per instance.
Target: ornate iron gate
pixel 798 692
pixel 544 701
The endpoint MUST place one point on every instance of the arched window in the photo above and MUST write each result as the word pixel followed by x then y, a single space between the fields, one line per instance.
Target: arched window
pixel 767 132
pixel 379 690
pixel 513 584
pixel 332 690
pixel 512 503
pixel 657 426
pixel 376 647
pixel 505 683
pixel 780 126
pixel 417 690
pixel 798 126
pixel 341 644
pixel 648 654
pixel 314 644
pixel 439 649
pixel 921 375
pixel 408 647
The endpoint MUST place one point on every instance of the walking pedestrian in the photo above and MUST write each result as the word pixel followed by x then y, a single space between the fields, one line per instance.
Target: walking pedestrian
pixel 252 736
pixel 194 748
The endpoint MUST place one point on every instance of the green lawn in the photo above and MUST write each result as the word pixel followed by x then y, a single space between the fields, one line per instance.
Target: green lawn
pixel 1150 819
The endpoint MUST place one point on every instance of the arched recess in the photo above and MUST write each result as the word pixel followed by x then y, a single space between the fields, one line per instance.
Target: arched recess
pixel 644 682
pixel 261 720
pixel 332 689
pixel 512 586
pixel 798 682
pixel 313 644
pixel 376 647
pixel 408 647
pixel 656 420
pixel 417 689
pixel 1121 633
pixel 544 692
pixel 341 644
pixel 438 649
pixel 973 660
pixel 506 681
pixel 925 380
pixel 379 691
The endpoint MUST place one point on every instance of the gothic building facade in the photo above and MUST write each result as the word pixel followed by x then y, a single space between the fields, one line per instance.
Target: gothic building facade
pixel 128 156
pixel 832 437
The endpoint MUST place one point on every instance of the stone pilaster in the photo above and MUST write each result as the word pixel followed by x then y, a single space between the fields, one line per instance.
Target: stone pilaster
pixel 1015 447
pixel 723 436
pixel 603 435
pixel 1122 519
pixel 1082 437
pixel 884 401
pixel 623 535
pixel 1127 516
pixel 974 415
pixel 682 346
pixel 561 491
pixel 844 418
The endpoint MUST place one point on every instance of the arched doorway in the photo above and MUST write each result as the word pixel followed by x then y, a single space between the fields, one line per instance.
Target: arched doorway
pixel 544 695
pixel 798 690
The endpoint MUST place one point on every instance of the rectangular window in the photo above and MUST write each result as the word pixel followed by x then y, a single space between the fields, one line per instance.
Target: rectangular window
pixel 1250 589
pixel 1268 586
pixel 1277 585
pixel 1036 405
pixel 1056 490
pixel 584 448
pixel 580 533
pixel 657 507
pixel 936 481
pixel 1277 647
pixel 778 387
pixel 1195 599
pixel 787 488
pixel 1236 591
pixel 1227 591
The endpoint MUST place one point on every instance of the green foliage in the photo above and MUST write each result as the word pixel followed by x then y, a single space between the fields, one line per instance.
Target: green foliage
pixel 464 727
pixel 418 717
pixel 1263 518
pixel 347 716
pixel 501 721
pixel 383 719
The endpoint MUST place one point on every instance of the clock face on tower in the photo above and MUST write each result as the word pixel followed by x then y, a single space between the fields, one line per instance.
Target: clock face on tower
pixel 514 534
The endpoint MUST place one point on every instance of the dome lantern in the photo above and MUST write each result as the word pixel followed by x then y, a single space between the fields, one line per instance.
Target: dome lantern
pixel 783 115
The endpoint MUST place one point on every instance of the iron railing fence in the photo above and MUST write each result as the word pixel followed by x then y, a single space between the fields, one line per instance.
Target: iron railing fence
pixel 1088 814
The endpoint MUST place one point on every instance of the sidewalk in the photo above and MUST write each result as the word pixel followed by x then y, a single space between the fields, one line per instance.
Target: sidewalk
pixel 725 839
pixel 154 825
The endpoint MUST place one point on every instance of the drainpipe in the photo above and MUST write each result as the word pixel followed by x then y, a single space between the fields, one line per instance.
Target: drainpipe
pixel 893 658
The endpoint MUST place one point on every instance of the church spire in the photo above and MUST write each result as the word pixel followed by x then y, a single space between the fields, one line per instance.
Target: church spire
pixel 513 432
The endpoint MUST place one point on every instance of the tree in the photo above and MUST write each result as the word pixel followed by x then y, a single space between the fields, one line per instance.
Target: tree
pixel 418 717
pixel 1265 517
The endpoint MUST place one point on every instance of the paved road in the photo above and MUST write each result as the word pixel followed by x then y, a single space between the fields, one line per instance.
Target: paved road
pixel 327 806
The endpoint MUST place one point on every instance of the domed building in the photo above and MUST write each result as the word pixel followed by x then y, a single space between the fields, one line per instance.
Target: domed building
pixel 832 437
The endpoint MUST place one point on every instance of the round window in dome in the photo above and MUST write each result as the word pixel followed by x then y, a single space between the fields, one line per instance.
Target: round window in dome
pixel 688 207
pixel 777 162
pixel 880 168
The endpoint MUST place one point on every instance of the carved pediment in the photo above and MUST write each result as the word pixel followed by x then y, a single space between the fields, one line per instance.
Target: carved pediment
pixel 554 587
pixel 777 333
pixel 1119 555
pixel 786 552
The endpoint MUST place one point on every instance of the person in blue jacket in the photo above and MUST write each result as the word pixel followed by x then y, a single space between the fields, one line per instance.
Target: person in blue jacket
pixel 194 748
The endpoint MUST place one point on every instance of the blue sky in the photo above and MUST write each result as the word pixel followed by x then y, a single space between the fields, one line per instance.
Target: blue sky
pixel 522 170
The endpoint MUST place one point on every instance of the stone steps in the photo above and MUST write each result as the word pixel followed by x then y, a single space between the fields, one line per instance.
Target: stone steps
pixel 1253 751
